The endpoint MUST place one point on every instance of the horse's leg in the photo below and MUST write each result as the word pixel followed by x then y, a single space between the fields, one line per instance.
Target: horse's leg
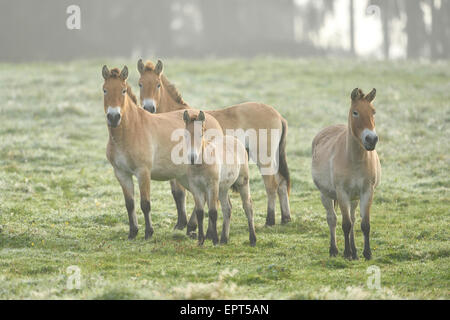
pixel 344 205
pixel 192 224
pixel 179 195
pixel 366 202
pixel 244 191
pixel 353 206
pixel 199 200
pixel 144 187
pixel 212 197
pixel 126 182
pixel 226 212
pixel 284 201
pixel 271 190
pixel 331 219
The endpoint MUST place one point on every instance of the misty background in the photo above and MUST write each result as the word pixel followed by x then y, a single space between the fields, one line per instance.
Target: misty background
pixel 381 29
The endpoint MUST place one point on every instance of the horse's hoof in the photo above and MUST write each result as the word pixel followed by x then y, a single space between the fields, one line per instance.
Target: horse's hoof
pixel 367 254
pixel 333 251
pixel 191 228
pixel 148 234
pixel 192 235
pixel 223 240
pixel 347 255
pixel 132 234
pixel 285 220
pixel 180 225
pixel 270 223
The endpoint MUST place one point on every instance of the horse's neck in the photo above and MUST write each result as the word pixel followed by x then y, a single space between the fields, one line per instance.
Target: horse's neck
pixel 128 124
pixel 170 104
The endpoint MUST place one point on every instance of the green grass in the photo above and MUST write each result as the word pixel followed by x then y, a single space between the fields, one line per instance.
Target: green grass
pixel 60 204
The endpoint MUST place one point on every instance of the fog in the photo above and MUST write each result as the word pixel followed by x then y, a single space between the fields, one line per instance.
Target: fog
pixel 380 29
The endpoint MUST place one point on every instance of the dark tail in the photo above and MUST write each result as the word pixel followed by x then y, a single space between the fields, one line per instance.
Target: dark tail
pixel 283 167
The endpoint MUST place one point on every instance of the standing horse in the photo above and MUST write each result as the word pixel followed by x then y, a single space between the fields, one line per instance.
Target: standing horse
pixel 140 145
pixel 227 168
pixel 346 168
pixel 158 95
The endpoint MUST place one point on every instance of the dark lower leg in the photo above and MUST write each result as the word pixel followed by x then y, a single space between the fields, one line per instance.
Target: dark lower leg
pixel 132 219
pixel 201 235
pixel 145 206
pixel 179 195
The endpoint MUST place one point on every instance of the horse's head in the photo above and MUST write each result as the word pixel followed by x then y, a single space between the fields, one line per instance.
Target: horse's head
pixel 361 118
pixel 150 84
pixel 114 90
pixel 195 127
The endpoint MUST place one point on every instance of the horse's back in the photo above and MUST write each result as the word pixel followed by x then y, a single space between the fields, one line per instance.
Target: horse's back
pixel 248 115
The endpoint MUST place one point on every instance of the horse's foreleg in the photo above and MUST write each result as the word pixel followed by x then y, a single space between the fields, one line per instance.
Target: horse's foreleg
pixel 126 182
pixel 179 195
pixel 331 220
pixel 212 198
pixel 366 202
pixel 344 205
pixel 144 187
pixel 353 206
pixel 199 200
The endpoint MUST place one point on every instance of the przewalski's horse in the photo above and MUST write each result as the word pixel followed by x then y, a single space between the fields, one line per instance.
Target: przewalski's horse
pixel 158 95
pixel 346 168
pixel 140 144
pixel 227 168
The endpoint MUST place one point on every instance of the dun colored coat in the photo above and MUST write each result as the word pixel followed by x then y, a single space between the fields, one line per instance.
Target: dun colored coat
pixel 346 169
pixel 140 145
pixel 158 95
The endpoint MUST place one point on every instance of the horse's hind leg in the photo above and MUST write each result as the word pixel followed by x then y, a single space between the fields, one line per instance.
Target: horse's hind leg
pixel 126 182
pixel 353 206
pixel 179 195
pixel 192 225
pixel 331 219
pixel 226 211
pixel 284 201
pixel 271 190
pixel 244 191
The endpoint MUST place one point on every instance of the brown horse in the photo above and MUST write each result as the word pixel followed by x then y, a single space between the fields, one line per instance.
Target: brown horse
pixel 140 144
pixel 249 121
pixel 346 168
pixel 227 168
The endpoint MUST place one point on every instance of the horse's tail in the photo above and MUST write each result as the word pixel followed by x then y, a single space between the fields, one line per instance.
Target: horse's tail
pixel 283 167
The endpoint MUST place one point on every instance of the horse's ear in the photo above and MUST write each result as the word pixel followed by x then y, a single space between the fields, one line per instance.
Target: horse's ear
pixel 201 116
pixel 371 95
pixel 105 72
pixel 140 66
pixel 357 94
pixel 159 67
pixel 124 73
pixel 186 117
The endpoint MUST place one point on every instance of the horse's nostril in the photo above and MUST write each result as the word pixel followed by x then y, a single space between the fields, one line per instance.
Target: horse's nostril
pixel 372 139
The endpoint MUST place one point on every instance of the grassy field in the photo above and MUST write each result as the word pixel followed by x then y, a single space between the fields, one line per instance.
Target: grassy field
pixel 61 206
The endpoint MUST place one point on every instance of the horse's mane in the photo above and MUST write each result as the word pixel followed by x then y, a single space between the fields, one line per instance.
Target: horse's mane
pixel 115 73
pixel 131 94
pixel 171 89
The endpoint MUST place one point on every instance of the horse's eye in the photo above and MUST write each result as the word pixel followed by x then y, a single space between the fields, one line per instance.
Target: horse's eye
pixel 104 91
pixel 158 85
pixel 140 85
pixel 355 113
pixel 124 91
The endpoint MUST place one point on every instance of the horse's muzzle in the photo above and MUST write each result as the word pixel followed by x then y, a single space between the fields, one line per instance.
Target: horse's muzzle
pixel 113 119
pixel 370 142
pixel 150 108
